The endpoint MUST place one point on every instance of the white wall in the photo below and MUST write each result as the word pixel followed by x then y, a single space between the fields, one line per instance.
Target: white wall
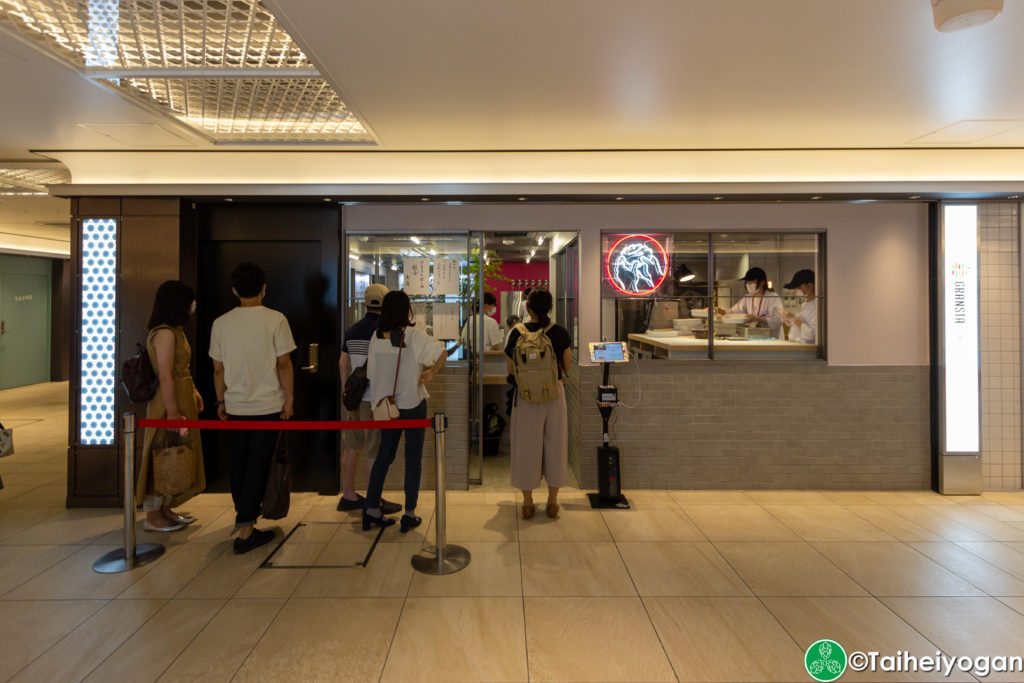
pixel 877 257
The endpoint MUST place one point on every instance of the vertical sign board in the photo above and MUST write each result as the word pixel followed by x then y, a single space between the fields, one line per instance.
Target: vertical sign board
pixel 961 361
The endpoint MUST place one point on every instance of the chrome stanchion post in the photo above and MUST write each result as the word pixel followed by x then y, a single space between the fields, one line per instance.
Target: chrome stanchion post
pixel 128 557
pixel 447 558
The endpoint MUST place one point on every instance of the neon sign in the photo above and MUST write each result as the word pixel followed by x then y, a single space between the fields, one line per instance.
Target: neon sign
pixel 636 265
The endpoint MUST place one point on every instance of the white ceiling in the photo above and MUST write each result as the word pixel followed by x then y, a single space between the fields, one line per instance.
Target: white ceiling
pixel 460 76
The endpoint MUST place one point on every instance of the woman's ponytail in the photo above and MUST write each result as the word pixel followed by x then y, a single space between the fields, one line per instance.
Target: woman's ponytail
pixel 540 303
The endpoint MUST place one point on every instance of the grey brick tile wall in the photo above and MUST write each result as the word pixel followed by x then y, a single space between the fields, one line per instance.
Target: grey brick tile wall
pixel 760 427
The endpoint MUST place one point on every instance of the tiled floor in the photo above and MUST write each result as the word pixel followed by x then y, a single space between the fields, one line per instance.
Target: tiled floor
pixel 686 586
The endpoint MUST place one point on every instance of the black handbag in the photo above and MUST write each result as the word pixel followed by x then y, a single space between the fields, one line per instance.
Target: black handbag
pixel 137 376
pixel 355 386
pixel 277 498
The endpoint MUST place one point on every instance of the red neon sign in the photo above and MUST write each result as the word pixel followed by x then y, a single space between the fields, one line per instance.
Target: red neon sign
pixel 636 269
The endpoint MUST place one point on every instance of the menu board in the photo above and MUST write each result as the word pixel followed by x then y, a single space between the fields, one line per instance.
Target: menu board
pixel 419 314
pixel 446 321
pixel 446 276
pixel 417 275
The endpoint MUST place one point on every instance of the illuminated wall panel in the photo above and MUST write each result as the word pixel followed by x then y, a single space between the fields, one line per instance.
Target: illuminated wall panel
pixel 98 374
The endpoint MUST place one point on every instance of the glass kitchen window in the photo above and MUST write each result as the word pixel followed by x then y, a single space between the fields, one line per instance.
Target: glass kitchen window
pixel 683 296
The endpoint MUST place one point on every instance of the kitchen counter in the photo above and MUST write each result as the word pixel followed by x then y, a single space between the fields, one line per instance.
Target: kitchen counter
pixel 690 348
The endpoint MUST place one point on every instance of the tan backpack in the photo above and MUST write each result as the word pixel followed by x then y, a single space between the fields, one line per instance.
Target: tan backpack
pixel 535 366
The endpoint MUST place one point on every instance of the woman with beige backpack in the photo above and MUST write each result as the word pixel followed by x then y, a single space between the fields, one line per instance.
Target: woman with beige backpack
pixel 538 356
pixel 171 469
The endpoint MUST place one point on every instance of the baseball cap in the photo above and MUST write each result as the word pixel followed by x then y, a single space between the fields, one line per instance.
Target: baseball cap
pixel 374 295
pixel 755 274
pixel 800 277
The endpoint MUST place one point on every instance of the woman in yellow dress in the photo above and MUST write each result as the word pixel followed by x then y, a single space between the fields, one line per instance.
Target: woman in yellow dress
pixel 176 399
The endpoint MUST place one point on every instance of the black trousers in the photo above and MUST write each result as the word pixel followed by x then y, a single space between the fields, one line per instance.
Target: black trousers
pixel 251 454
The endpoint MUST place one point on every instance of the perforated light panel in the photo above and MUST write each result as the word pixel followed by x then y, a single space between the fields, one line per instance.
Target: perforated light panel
pixel 195 35
pixel 98 375
pixel 31 181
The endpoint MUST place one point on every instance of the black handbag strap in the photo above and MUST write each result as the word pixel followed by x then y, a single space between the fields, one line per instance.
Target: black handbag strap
pixel 398 365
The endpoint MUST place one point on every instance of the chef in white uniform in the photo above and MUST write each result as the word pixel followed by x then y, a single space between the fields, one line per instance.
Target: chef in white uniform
pixel 762 307
pixel 803 327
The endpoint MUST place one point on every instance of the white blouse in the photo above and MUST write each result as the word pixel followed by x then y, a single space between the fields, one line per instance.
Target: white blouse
pixel 421 352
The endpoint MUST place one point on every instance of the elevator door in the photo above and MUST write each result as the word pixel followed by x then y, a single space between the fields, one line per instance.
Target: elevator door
pixel 297 247
pixel 24 329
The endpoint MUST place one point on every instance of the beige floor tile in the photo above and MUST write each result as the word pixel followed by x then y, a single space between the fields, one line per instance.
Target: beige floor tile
pixel 1002 555
pixel 493 570
pixel 724 639
pixel 587 568
pixel 933 521
pixel 848 498
pixel 858 624
pixel 87 646
pixel 894 569
pixel 477 498
pixel 1002 513
pixel 680 569
pixel 29 628
pixel 150 650
pixel 175 571
pixel 993 528
pixel 570 525
pixel 459 639
pixel 277 581
pixel 214 527
pixel 711 498
pixel 220 648
pixel 650 498
pixel 13 521
pixel 1016 603
pixel 981 626
pixel 477 523
pixel 325 640
pixel 897 526
pixel 651 523
pixel 593 639
pixel 971 567
pixel 226 574
pixel 1004 497
pixel 786 568
pixel 314 532
pixel 47 496
pixel 738 523
pixel 69 527
pixel 826 523
pixel 388 574
pixel 788 498
pixel 932 498
pixel 19 563
pixel 73 578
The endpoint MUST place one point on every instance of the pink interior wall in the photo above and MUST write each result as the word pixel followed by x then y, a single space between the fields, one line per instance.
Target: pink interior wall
pixel 515 271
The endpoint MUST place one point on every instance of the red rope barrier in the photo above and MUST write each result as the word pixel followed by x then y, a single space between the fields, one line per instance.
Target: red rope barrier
pixel 287 424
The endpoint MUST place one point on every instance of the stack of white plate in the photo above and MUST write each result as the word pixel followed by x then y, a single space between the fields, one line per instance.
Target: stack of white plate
pixel 734 318
pixel 686 324
pixel 699 312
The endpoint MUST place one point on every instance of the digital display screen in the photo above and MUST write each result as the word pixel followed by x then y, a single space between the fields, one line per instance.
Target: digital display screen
pixel 608 352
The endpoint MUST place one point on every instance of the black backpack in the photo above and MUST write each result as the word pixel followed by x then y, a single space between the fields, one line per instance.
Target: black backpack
pixel 494 422
pixel 355 387
pixel 137 376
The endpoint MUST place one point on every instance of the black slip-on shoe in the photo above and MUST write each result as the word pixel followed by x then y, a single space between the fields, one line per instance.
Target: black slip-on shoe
pixel 259 537
pixel 346 505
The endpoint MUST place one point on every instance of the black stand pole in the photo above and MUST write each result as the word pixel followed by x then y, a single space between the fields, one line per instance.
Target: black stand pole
pixel 609 481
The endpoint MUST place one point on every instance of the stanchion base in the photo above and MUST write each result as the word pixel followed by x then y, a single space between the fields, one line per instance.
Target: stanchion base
pixel 455 558
pixel 114 562
pixel 599 503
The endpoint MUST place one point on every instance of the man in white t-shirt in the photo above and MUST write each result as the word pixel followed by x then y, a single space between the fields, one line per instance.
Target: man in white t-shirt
pixel 252 373
pixel 492 333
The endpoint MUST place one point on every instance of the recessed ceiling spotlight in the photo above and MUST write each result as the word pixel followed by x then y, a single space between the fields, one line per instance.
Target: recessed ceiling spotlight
pixel 533 252
pixel 540 240
pixel 719 198
pixel 915 196
pixel 522 199
pixel 327 199
pixel 415 239
pixel 618 199
pixel 527 259
pixel 424 199
pixel 817 196
pixel 228 199
pixel 1014 196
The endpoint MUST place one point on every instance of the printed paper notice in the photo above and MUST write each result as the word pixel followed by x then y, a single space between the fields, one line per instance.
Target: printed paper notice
pixel 419 313
pixel 417 275
pixel 446 276
pixel 446 321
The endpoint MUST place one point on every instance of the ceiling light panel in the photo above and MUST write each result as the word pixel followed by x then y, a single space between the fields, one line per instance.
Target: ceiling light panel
pixel 31 181
pixel 277 95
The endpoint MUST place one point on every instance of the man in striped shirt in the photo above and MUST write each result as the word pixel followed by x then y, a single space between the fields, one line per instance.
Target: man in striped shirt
pixel 355 349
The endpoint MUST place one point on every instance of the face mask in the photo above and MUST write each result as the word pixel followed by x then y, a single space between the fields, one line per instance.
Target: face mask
pixel 751 287
pixel 192 308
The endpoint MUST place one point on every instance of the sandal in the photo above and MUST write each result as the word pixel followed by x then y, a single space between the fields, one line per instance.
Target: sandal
pixel 528 510
pixel 552 509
